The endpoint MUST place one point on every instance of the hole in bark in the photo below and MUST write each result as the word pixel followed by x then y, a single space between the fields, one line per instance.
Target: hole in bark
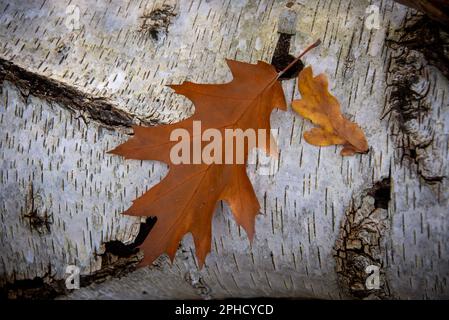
pixel 381 193
pixel 119 258
pixel 282 58
pixel 120 249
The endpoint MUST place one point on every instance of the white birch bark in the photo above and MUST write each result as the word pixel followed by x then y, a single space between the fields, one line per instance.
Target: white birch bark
pixel 321 221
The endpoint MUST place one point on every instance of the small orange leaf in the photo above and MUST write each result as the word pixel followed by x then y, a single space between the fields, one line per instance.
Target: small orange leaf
pixel 323 109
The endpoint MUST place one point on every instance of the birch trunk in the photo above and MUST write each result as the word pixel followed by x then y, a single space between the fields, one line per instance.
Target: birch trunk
pixel 75 75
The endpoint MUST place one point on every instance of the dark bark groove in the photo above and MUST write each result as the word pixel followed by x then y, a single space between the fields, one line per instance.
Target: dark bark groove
pixel 98 109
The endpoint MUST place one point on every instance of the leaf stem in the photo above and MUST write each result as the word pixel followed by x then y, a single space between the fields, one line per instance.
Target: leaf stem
pixel 313 45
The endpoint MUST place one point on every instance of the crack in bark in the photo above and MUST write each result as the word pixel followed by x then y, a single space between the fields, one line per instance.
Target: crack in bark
pixel 430 38
pixel 420 41
pixel 98 109
pixel 39 219
pixel 38 288
pixel 193 276
pixel 48 287
pixel 359 244
pixel 437 10
pixel 198 284
pixel 155 23
pixel 117 260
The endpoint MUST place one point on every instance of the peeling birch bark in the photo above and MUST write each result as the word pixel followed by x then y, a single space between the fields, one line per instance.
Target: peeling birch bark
pixel 71 89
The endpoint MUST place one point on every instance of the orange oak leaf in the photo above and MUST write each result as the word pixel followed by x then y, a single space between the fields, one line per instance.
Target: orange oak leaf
pixel 323 109
pixel 184 201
